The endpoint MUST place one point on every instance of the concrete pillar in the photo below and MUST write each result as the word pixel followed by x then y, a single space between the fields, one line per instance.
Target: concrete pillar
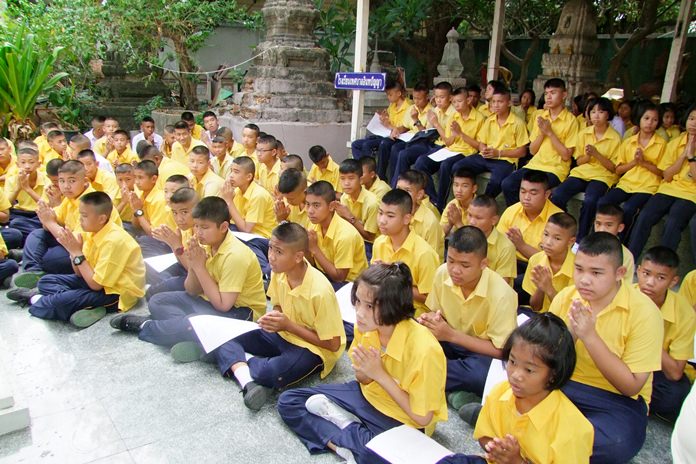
pixel 362 20
pixel 681 30
pixel 496 40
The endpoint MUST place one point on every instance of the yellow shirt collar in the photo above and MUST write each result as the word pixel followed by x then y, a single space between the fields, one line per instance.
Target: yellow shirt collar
pixel 540 413
pixel 304 290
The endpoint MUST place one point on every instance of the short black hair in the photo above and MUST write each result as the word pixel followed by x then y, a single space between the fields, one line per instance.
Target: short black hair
pixel 350 166
pixel 148 167
pixel 100 201
pixel 392 83
pixel 142 147
pixel 268 139
pixel 555 83
pixel 611 210
pixel 464 173
pixel 391 286
pixel 212 209
pixel 485 201
pixel 149 152
pixel 322 189
pixel 181 125
pixel 663 256
pixel 643 107
pixel 421 87
pixel 147 119
pixel 444 86
pixel 208 114
pixel 290 180
pixel 246 163
pixel 24 150
pixel 473 88
pixel 183 195
pixel 399 198
pixel 124 168
pixel 685 116
pixel 71 167
pixel 54 134
pixel 317 153
pixel 226 133
pixel 603 104
pixel 536 177
pixel 369 162
pixel 201 150
pixel 121 132
pixel 178 179
pixel 414 177
pixel 218 139
pixel 460 91
pixel 293 161
pixel 253 127
pixel 602 243
pixel 187 116
pixel 86 154
pixel 565 221
pixel 531 92
pixel 551 341
pixel 53 166
pixel 292 234
pixel 169 129
pixel 49 126
pixel 100 119
pixel 469 239
pixel 498 86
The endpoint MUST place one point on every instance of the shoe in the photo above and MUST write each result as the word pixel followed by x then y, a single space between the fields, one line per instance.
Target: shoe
pixel 28 279
pixel 7 283
pixel 470 413
pixel 321 406
pixel 457 399
pixel 22 295
pixel 255 395
pixel 128 322
pixel 186 352
pixel 86 317
pixel 15 255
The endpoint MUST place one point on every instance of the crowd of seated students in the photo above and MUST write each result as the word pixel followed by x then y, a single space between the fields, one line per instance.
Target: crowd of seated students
pixel 439 275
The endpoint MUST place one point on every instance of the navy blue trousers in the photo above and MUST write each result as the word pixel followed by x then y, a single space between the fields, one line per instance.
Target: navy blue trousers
pixel 277 363
pixel 499 170
pixel 170 284
pixel 368 146
pixel 668 395
pixel 466 370
pixel 64 295
pixel 13 238
pixel 678 212
pixel 25 222
pixel 315 432
pixel 152 247
pixel 386 162
pixel 43 253
pixel 632 203
pixel 170 314
pixel 619 422
pixel 692 232
pixel 8 267
pixel 409 155
pixel 444 170
pixel 462 459
pixel 594 190
pixel 511 185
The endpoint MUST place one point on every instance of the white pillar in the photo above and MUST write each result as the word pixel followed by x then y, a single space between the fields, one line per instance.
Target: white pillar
pixel 361 23
pixel 681 30
pixel 496 40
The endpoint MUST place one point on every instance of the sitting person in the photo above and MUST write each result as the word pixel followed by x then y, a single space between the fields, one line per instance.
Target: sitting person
pixel 203 180
pixel 423 220
pixel 8 267
pixel 370 180
pixel 126 186
pixel 184 144
pixel 221 161
pixel 121 154
pixel 358 206
pixel 100 180
pixel 24 189
pixel 292 186
pixel 454 216
pixel 105 144
pixel 609 218
pixel 148 134
pixel 269 164
pixel 323 167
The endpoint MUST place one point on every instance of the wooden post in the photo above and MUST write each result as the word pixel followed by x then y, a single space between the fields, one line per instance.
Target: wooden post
pixel 496 40
pixel 681 30
pixel 360 65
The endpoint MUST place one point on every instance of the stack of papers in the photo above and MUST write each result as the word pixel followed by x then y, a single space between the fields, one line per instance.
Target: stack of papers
pixel 406 445
pixel 214 331
pixel 162 262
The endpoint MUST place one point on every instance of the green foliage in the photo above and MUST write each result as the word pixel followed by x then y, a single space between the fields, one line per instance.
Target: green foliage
pixel 335 31
pixel 146 110
pixel 71 104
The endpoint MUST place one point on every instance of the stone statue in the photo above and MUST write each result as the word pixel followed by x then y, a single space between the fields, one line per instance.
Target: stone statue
pixel 450 67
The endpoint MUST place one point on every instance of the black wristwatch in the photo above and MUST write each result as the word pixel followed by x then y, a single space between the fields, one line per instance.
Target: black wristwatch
pixel 692 159
pixel 138 213
pixel 77 260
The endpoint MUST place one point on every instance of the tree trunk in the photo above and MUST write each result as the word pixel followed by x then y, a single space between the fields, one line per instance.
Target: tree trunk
pixel 187 82
pixel 524 65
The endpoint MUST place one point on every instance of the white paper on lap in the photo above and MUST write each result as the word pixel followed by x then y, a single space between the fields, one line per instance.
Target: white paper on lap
pixel 245 236
pixel 376 127
pixel 407 136
pixel 162 262
pixel 442 154
pixel 496 373
pixel 213 331
pixel 344 303
pixel 406 445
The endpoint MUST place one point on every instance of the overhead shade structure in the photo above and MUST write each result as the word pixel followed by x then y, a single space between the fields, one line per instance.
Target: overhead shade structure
pixel 676 53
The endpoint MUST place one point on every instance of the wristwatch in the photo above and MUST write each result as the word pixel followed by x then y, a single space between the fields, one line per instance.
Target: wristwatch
pixel 77 260
pixel 179 251
pixel 692 159
pixel 138 213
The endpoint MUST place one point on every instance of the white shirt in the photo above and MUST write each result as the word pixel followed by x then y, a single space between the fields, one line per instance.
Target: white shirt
pixel 158 140
pixel 90 135
pixel 103 163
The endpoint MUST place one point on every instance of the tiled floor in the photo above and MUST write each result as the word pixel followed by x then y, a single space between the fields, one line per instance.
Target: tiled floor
pixel 101 396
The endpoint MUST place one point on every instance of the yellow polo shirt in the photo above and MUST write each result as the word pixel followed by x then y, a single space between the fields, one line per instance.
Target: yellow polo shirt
pixel 682 184
pixel 679 326
pixel 425 224
pixel 180 154
pixel 256 205
pixel 639 179
pixel 463 211
pixel 4 202
pixel 547 159
pixel 607 146
pixel 502 255
pixel 127 211
pixel 687 289
pixel 397 112
pixel 156 209
pixel 49 154
pixel 197 131
pixel 364 208
pixel 342 245
pixel 311 304
pixel 629 264
pixel 470 125
pixel 330 174
pixel 379 188
pixel 235 269
pixel 560 280
pixel 416 362
pixel 68 212
pixel 673 132
pixel 631 327
pixel 105 182
pixel 23 200
pixel 553 431
pixel 99 147
pixel 422 117
pixel 3 247
pixel 298 216
pixel 222 169
pixel 488 313
pixel 209 185
pixel 417 254
pixel 532 231
pixel 512 134
pixel 268 178
pixel 118 263
pixel 444 118
pixel 126 157
pixel 10 170
pixel 429 204
pixel 168 168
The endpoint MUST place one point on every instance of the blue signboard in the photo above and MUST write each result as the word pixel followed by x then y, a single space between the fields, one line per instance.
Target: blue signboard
pixel 360 81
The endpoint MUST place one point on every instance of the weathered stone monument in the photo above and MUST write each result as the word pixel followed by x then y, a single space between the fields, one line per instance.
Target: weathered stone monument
pixel 450 67
pixel 572 48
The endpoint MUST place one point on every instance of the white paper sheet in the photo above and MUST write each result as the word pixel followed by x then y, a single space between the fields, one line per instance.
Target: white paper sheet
pixel 162 262
pixel 442 154
pixel 407 136
pixel 213 331
pixel 376 127
pixel 694 359
pixel 496 373
pixel 344 304
pixel 245 236
pixel 406 445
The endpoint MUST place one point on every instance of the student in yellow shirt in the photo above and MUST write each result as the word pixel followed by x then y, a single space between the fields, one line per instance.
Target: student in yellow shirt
pixel 100 180
pixel 203 180
pixel 294 162
pixel 527 101
pixel 109 273
pixel 527 418
pixel 7 161
pixel 472 312
pixel 323 167
pixel 688 288
pixel 596 156
pixel 195 129
pixel 58 147
pixel 211 126
pixel 439 118
pixel 552 141
pixel 269 164
pixel 400 374
pixel 398 242
pixel 501 255
pixel 121 152
pixel 105 145
pixel 473 92
pixel 370 180
pixel 301 335
pixel 250 136
pixel 184 144
pixel 166 167
pixel 638 164
pixel 126 185
pixel 459 136
pixel 8 267
pixel 669 120
pixel 676 195
pixel 173 184
pixel 335 246
pixel 23 190
pixel 454 216
pixel 291 206
pixel 551 270
pixel 42 142
pixel 657 273
pixel 250 205
pixel 78 143
pixel 423 221
pixel 619 333
pixel 231 146
pixel 358 206
pixel 168 140
pixel 501 141
pixel 609 218
pixel 221 160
